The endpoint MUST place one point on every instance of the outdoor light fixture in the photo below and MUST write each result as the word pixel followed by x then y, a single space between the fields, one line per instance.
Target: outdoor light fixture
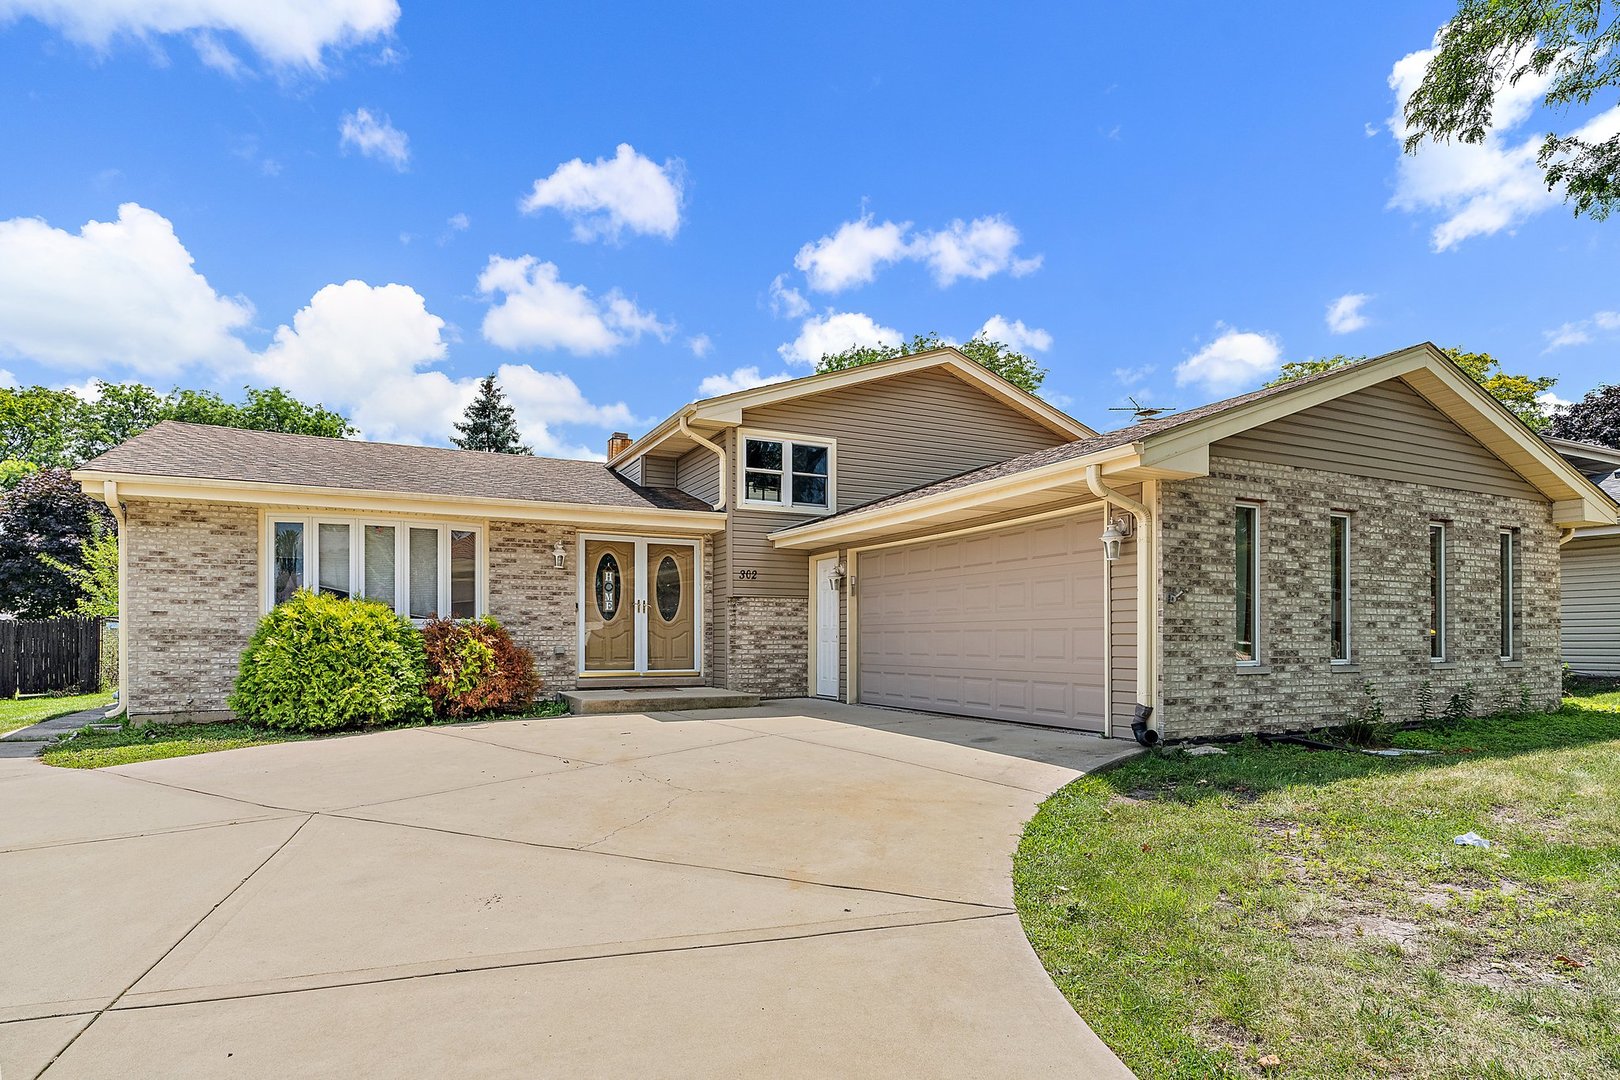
pixel 1118 529
pixel 559 554
pixel 839 571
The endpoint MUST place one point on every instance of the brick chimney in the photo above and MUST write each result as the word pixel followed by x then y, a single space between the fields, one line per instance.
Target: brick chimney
pixel 618 443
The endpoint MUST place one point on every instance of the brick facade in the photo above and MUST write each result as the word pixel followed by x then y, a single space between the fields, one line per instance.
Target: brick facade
pixel 1204 693
pixel 770 645
pixel 192 576
pixel 533 599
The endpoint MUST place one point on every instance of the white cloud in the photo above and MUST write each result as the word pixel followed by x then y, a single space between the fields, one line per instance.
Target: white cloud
pixel 743 378
pixel 853 254
pixel 1235 360
pixel 1015 334
pixel 120 292
pixel 625 192
pixel 835 332
pixel 286 34
pixel 1344 315
pixel 375 137
pixel 459 222
pixel 371 351
pixel 700 344
pixel 787 302
pixel 976 249
pixel 533 308
pixel 214 53
pixel 1552 403
pixel 1479 188
pixel 1582 332
pixel 1132 376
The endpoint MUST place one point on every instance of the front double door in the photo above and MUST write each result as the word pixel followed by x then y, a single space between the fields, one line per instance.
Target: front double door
pixel 639 606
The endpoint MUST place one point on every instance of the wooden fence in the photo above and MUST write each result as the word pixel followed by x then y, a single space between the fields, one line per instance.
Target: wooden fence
pixel 42 656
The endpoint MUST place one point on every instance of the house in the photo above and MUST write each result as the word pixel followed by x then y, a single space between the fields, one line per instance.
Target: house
pixel 915 533
pixel 1591 570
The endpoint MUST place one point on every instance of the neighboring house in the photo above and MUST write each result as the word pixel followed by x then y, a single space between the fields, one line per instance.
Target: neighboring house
pixel 1591 570
pixel 914 533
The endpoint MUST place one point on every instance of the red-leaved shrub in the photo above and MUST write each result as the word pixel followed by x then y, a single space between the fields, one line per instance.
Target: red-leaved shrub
pixel 475 667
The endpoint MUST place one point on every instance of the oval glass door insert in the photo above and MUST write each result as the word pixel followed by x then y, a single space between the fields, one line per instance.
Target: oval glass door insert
pixel 609 586
pixel 667 588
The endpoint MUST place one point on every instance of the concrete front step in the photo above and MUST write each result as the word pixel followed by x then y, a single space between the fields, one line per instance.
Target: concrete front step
pixel 661 699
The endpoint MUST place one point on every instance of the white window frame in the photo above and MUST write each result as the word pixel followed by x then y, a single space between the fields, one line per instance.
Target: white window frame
pixel 1439 656
pixel 785 505
pixel 1256 660
pixel 1509 591
pixel 311 523
pixel 1348 601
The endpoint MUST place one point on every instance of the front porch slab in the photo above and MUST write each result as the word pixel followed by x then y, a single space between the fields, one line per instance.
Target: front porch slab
pixel 661 699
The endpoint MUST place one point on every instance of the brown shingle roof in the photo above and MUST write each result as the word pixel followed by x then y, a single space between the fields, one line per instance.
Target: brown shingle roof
pixel 199 451
pixel 1082 447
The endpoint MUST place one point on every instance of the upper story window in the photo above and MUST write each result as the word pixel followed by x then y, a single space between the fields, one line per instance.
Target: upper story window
pixel 787 472
pixel 420 569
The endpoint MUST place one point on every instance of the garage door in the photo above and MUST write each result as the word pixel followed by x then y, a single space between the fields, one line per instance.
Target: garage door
pixel 1005 624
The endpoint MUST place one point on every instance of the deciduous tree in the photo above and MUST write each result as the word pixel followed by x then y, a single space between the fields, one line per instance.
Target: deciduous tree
pixel 1002 359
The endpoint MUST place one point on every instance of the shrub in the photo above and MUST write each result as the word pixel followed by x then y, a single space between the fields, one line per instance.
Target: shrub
pixel 475 667
pixel 319 663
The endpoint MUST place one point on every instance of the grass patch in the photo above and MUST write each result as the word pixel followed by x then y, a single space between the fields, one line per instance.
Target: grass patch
pixel 97 750
pixel 18 713
pixel 1206 913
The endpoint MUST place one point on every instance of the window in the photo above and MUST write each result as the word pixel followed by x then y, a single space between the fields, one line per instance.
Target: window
pixel 1510 585
pixel 1339 571
pixel 1247 550
pixel 787 472
pixel 418 569
pixel 288 568
pixel 1437 592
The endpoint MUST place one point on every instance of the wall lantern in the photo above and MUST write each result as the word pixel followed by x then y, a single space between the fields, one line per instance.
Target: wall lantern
pixel 559 554
pixel 1118 529
pixel 836 578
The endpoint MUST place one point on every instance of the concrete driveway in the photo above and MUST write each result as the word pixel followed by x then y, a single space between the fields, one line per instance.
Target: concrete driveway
pixel 800 889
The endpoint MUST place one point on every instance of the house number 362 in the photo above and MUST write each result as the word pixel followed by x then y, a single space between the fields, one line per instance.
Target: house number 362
pixel 747 575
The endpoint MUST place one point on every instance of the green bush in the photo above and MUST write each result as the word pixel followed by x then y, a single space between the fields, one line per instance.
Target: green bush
pixel 319 663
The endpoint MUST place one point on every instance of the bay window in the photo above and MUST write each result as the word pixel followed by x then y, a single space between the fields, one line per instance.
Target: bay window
pixel 787 472
pixel 419 569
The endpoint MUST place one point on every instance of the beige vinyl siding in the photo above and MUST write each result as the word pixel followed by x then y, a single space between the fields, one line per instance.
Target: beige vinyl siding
pixel 1385 432
pixel 697 472
pixel 658 471
pixel 1591 605
pixel 631 470
pixel 892 436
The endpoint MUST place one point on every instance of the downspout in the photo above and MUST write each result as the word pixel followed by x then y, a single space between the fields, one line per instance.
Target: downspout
pixel 720 504
pixel 1146 725
pixel 109 494
pixel 1565 537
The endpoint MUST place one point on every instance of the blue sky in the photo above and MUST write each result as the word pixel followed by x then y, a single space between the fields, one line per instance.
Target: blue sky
pixel 616 207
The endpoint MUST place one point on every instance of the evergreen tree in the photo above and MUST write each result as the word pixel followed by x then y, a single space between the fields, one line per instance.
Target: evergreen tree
pixel 489 424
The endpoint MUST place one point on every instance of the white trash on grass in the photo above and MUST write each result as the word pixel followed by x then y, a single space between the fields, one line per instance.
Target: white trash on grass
pixel 1471 839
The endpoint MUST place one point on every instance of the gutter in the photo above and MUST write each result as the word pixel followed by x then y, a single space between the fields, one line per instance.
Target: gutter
pixel 109 494
pixel 1146 726
pixel 720 504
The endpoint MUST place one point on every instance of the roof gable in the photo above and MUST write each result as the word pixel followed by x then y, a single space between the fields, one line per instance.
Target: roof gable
pixel 727 409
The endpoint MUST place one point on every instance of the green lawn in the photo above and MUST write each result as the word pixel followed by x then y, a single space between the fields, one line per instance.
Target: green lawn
pixel 17 713
pixel 97 750
pixel 1206 913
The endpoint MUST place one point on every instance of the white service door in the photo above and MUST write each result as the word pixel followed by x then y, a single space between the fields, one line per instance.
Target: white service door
pixel 827 608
